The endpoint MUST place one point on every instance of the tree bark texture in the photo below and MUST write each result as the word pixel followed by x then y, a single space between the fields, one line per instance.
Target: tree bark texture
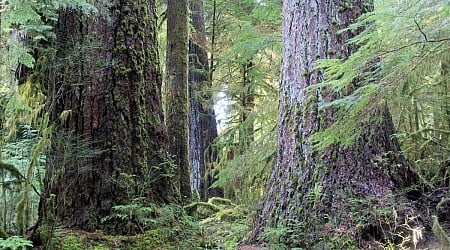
pixel 202 118
pixel 177 89
pixel 320 195
pixel 109 140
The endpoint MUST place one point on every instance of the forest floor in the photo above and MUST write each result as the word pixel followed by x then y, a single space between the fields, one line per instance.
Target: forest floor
pixel 215 224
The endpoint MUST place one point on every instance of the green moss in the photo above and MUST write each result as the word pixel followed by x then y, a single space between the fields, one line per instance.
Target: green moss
pixel 312 98
pixel 345 5
pixel 124 70
pixel 201 209
pixel 72 242
pixel 220 201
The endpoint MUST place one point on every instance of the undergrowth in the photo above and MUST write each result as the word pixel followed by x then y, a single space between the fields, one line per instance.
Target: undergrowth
pixel 195 226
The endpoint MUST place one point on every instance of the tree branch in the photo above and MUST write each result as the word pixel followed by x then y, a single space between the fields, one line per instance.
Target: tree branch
pixel 412 44
pixel 420 30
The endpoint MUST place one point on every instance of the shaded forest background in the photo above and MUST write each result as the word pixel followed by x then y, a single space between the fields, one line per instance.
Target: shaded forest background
pixel 187 157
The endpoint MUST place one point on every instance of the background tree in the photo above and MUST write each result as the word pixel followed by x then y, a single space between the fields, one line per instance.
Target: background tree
pixel 323 193
pixel 22 140
pixel 108 142
pixel 202 118
pixel 246 73
pixel 176 89
pixel 417 85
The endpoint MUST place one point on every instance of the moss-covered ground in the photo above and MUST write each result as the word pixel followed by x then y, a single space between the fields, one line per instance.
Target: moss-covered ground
pixel 216 224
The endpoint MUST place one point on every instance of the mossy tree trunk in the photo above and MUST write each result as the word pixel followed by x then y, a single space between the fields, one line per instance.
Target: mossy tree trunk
pixel 177 89
pixel 109 142
pixel 202 118
pixel 327 197
pixel 247 102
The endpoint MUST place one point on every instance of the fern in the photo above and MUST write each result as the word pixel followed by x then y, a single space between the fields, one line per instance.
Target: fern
pixel 400 41
pixel 15 242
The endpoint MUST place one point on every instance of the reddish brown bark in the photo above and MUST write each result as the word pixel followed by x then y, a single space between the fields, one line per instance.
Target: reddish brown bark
pixel 317 195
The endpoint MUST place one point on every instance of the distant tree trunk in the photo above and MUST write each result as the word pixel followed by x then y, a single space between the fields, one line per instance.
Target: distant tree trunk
pixel 109 141
pixel 177 89
pixel 247 99
pixel 202 118
pixel 320 195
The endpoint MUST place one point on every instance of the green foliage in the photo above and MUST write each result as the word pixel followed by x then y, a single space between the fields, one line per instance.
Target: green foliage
pixel 246 73
pixel 223 234
pixel 339 241
pixel 72 243
pixel 24 168
pixel 38 149
pixel 244 175
pixel 14 242
pixel 135 214
pixel 168 227
pixel 223 226
pixel 22 151
pixel 275 237
pixel 26 23
pixel 403 57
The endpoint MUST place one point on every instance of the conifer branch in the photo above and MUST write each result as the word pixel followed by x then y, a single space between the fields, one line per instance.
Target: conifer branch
pixel 384 52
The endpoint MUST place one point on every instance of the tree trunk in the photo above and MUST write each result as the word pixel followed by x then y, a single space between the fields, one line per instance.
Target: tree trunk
pixel 247 99
pixel 321 197
pixel 109 142
pixel 176 89
pixel 202 118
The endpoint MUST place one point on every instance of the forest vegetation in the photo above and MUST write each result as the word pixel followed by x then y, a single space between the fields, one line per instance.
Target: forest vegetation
pixel 225 124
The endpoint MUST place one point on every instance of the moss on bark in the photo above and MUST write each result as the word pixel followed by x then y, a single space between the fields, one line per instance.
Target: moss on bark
pixel 112 148
pixel 177 90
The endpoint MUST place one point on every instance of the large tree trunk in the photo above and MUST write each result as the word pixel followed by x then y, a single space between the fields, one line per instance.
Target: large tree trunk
pixel 321 195
pixel 202 118
pixel 176 89
pixel 109 142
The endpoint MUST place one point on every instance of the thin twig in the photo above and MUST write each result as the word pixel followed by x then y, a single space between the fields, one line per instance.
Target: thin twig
pixel 412 44
pixel 420 30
